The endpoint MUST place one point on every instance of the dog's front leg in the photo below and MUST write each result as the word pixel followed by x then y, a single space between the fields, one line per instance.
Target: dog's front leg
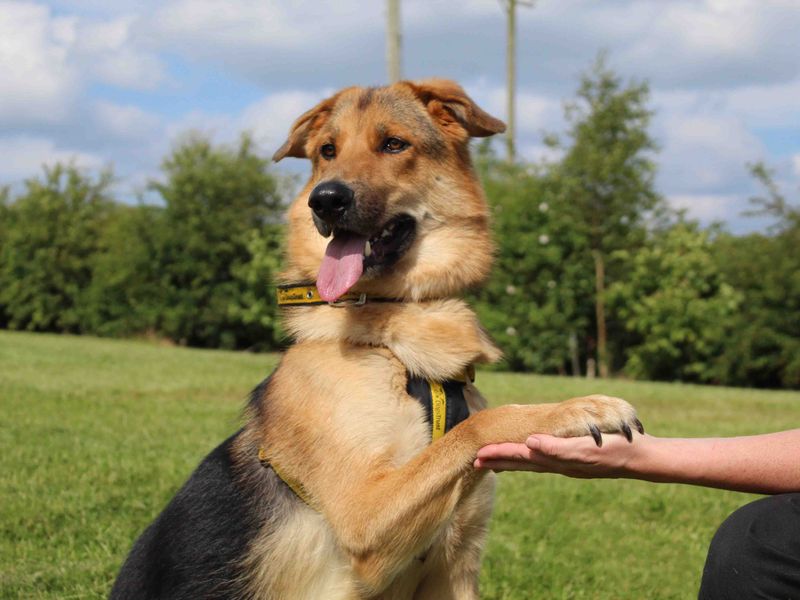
pixel 394 515
pixel 453 565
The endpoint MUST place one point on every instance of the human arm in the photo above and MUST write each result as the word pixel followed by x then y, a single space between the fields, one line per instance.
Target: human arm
pixel 767 464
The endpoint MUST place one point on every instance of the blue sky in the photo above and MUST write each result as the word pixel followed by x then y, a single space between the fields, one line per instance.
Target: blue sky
pixel 101 82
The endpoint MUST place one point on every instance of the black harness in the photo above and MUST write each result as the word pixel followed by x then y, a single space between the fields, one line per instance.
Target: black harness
pixel 444 403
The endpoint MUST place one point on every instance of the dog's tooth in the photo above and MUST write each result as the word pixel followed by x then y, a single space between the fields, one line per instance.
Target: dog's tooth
pixel 386 233
pixel 367 249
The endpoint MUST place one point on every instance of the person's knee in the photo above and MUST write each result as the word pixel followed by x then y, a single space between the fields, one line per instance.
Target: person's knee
pixel 755 551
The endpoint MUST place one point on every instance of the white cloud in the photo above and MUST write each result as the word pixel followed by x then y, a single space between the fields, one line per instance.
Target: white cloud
pixel 222 128
pixel 104 7
pixel 270 118
pixel 710 44
pixel 24 156
pixel 703 150
pixel 796 164
pixel 126 121
pixel 107 50
pixel 534 112
pixel 46 61
pixel 709 207
pixel 767 105
pixel 229 25
pixel 37 82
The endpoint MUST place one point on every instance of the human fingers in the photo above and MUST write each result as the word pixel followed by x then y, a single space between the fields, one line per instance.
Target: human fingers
pixel 504 451
pixel 575 448
pixel 507 465
pixel 515 457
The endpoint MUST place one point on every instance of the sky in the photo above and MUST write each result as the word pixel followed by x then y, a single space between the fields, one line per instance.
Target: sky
pixel 119 83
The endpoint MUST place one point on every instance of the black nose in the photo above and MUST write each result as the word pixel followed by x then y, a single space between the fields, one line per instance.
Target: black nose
pixel 330 200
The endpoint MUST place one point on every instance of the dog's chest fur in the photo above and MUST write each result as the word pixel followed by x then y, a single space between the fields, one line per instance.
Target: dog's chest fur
pixel 332 388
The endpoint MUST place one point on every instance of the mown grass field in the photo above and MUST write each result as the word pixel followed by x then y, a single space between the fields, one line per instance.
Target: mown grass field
pixel 96 435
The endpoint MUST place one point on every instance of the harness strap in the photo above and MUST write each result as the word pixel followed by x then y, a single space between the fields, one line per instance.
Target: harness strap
pixel 438 417
pixel 297 487
pixel 445 407
pixel 444 402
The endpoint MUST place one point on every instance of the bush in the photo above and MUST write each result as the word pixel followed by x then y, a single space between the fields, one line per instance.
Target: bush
pixel 676 305
pixel 540 291
pixel 52 234
pixel 217 202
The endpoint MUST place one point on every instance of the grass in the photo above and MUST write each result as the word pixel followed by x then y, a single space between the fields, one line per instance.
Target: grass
pixel 96 435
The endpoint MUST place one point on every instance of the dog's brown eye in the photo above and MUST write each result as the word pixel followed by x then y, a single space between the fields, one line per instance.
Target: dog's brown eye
pixel 328 151
pixel 394 145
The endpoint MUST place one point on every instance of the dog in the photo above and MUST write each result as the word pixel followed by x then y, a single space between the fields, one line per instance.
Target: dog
pixel 334 488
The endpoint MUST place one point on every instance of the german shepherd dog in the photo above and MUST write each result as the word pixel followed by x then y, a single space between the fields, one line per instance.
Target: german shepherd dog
pixel 333 488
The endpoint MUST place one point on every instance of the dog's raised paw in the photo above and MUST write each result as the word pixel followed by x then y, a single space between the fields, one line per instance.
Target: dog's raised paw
pixel 595 415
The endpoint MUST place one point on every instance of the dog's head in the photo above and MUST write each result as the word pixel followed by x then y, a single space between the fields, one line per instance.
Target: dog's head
pixel 393 206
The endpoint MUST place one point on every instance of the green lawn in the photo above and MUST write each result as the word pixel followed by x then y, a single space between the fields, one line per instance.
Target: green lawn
pixel 96 435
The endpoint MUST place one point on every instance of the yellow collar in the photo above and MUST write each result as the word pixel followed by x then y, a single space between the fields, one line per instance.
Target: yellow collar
pixel 306 294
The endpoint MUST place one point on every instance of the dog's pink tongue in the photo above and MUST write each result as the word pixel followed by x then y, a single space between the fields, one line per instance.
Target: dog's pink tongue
pixel 342 265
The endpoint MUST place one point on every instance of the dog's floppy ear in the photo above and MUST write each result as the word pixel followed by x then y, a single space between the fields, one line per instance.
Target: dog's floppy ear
pixel 447 102
pixel 295 145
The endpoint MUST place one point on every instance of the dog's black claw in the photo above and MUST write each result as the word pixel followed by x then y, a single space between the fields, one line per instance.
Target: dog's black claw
pixel 627 431
pixel 598 437
pixel 639 425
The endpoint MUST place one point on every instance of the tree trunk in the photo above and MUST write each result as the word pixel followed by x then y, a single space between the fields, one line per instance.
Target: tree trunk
pixel 600 312
pixel 573 354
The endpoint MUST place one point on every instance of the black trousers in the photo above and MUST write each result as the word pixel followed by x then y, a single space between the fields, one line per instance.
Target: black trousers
pixel 756 553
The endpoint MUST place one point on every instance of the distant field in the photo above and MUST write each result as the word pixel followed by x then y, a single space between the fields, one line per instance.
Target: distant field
pixel 96 435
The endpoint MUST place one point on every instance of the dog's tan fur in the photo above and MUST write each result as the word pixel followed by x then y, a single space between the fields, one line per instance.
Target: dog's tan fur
pixel 393 515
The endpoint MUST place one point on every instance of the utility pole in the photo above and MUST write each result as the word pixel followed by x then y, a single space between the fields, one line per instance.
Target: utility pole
pixel 510 7
pixel 393 40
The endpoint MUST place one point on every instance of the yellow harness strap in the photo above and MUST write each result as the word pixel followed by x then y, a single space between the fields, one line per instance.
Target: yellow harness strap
pixel 438 409
pixel 293 484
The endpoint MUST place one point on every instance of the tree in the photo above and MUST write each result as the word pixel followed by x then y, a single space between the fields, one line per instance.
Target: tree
pixel 676 305
pixel 52 232
pixel 125 296
pixel 765 351
pixel 214 199
pixel 539 293
pixel 607 176
pixel 4 225
pixel 774 203
pixel 256 306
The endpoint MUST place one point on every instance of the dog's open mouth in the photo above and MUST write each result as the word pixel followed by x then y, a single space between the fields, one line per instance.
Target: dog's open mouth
pixel 350 254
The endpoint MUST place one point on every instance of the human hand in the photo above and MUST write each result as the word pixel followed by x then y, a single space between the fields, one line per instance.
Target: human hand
pixel 574 457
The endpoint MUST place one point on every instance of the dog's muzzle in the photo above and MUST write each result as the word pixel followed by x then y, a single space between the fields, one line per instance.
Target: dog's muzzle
pixel 330 202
